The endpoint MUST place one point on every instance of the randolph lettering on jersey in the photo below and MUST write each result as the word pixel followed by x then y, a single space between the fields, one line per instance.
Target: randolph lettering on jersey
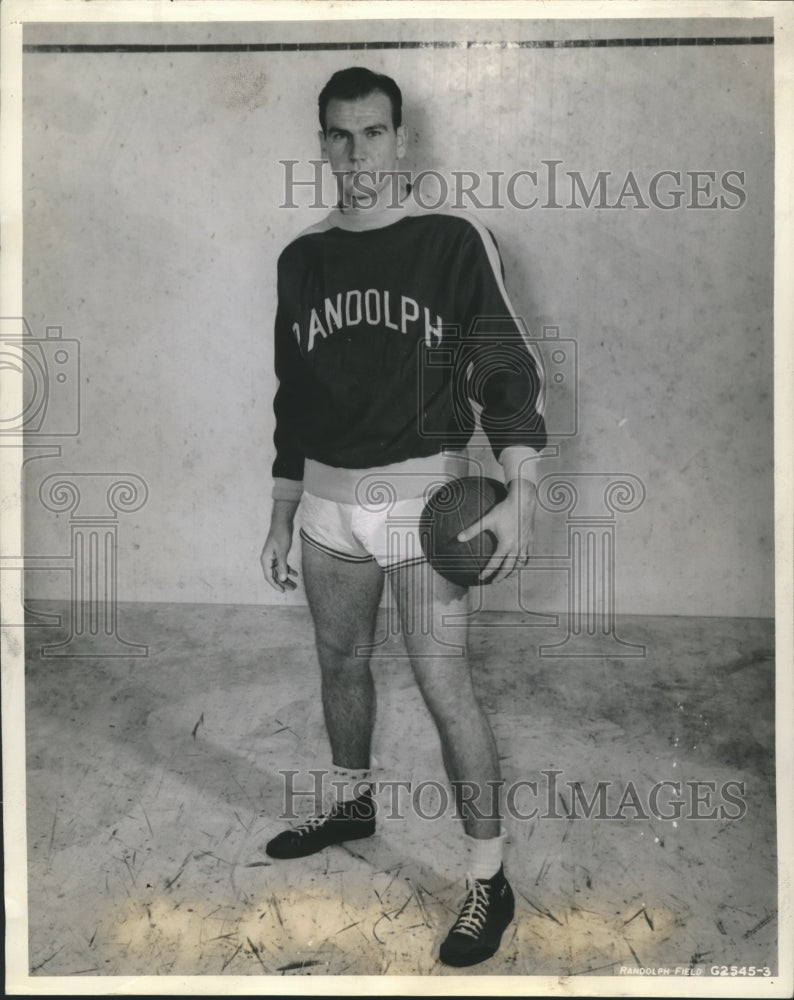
pixel 372 307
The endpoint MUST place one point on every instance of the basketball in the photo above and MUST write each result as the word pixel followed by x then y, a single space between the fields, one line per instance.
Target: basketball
pixel 453 507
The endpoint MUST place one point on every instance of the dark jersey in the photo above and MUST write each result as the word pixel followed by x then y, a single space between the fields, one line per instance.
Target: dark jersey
pixel 388 338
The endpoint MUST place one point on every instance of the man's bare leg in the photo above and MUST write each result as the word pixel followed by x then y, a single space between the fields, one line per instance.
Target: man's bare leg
pixel 467 743
pixel 469 752
pixel 344 598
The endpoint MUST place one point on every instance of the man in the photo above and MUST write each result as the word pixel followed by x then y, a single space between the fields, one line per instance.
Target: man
pixel 364 298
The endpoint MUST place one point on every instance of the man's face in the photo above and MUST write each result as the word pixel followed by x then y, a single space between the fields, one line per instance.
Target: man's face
pixel 360 140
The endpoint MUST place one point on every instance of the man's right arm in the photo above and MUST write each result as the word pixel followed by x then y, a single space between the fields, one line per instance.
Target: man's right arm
pixel 291 395
pixel 288 464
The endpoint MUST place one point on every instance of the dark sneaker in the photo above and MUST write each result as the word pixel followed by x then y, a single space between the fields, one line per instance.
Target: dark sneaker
pixel 477 932
pixel 345 821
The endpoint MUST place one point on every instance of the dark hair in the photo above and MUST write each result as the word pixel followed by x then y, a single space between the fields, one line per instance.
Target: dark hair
pixel 355 82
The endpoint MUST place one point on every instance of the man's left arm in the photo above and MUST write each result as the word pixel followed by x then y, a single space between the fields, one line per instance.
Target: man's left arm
pixel 508 375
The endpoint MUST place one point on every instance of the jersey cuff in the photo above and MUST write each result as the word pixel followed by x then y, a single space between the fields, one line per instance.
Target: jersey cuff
pixel 287 489
pixel 520 462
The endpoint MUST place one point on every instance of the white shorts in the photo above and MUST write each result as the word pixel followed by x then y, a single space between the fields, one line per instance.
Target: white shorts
pixel 361 515
pixel 356 534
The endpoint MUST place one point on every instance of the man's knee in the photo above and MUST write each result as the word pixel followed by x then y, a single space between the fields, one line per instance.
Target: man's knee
pixel 340 653
pixel 453 705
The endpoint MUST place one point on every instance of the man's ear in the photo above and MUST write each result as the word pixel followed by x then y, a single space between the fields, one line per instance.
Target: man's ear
pixel 321 137
pixel 402 140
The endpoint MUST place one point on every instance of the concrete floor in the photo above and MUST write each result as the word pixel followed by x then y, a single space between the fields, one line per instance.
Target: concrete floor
pixel 153 785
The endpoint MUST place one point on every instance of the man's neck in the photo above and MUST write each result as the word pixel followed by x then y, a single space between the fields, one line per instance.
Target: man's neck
pixel 392 206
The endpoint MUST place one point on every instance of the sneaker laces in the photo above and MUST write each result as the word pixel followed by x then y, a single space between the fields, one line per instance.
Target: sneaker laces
pixel 328 807
pixel 475 909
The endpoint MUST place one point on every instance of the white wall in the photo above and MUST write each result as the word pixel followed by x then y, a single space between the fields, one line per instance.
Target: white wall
pixel 152 228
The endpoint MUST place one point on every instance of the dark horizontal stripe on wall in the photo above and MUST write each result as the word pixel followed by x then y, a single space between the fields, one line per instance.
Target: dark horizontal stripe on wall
pixel 565 43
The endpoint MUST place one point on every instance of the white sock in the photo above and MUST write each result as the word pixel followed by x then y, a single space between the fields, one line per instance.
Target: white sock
pixel 347 784
pixel 485 856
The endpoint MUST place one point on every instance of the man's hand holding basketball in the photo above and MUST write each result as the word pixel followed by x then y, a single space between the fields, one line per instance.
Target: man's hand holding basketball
pixel 277 547
pixel 513 524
